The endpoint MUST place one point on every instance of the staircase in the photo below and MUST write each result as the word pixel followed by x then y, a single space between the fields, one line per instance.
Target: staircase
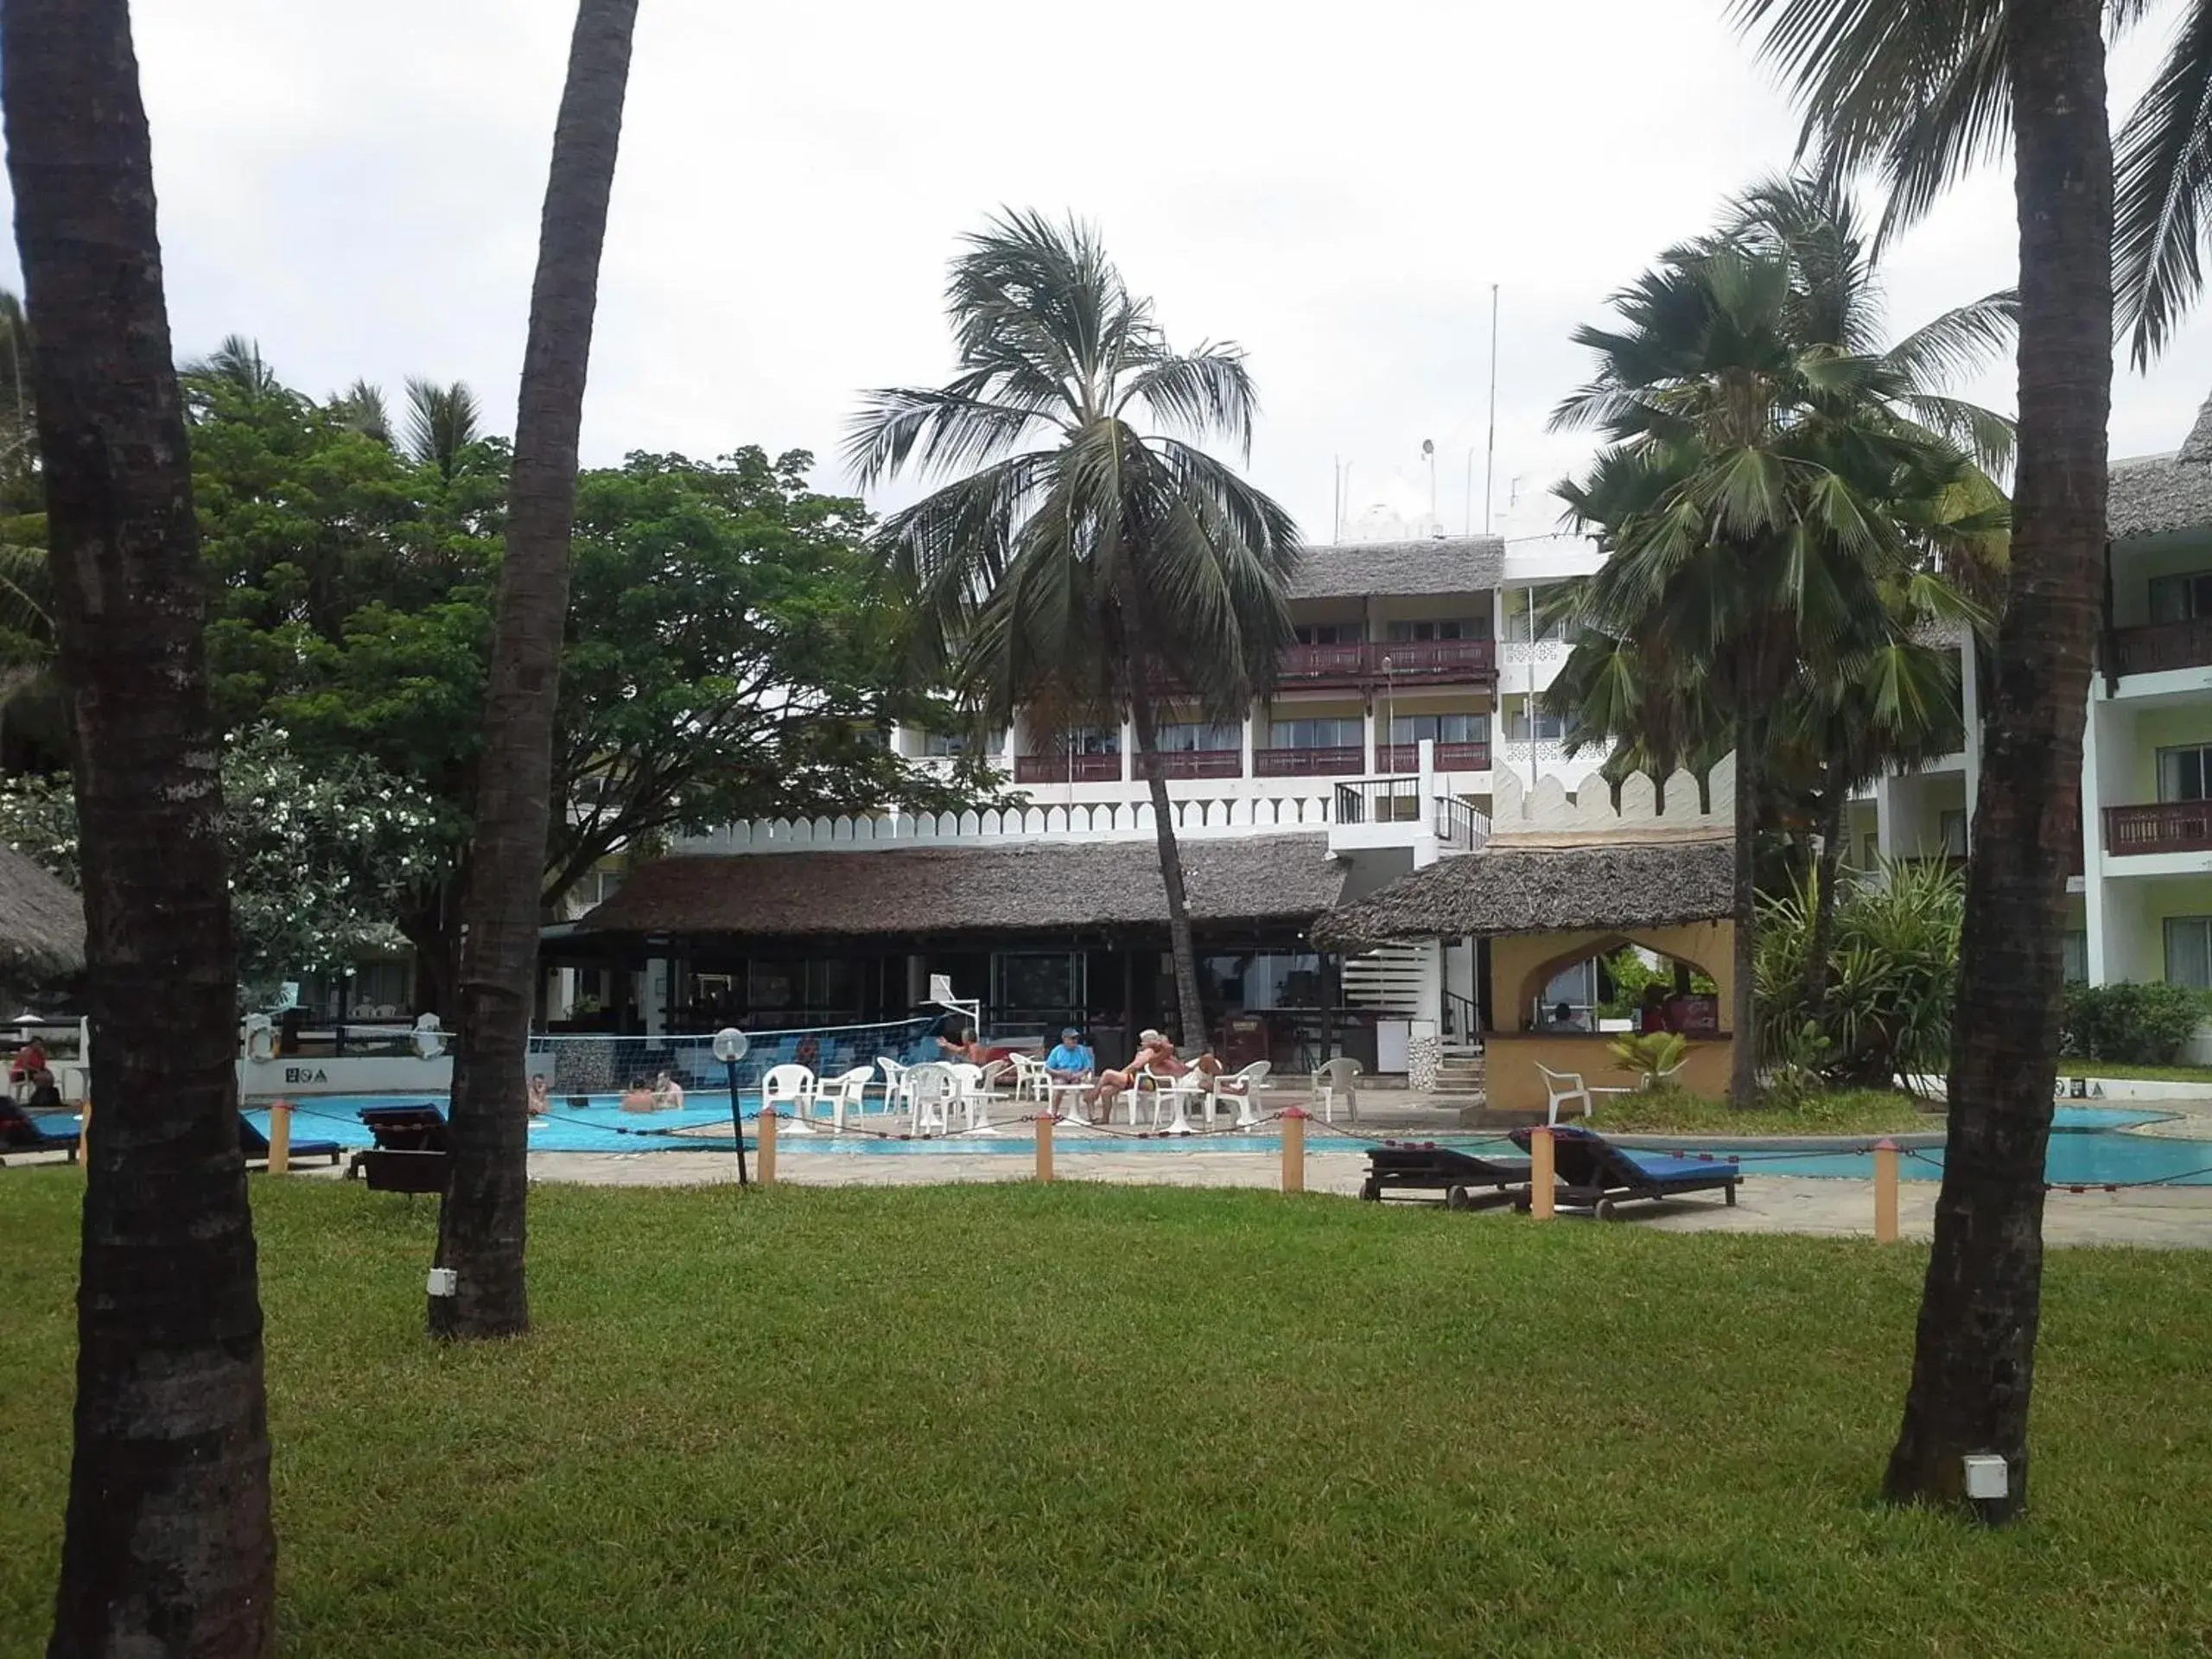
pixel 1461 1076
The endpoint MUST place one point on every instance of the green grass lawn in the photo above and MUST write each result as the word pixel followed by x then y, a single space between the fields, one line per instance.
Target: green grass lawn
pixel 2073 1068
pixel 1085 1418
pixel 1843 1111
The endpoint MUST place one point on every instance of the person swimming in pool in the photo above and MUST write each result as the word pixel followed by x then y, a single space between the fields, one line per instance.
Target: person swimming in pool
pixel 668 1093
pixel 541 1094
pixel 637 1098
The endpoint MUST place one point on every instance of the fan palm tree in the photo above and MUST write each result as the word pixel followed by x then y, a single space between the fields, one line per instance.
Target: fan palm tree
pixel 1745 500
pixel 168 1546
pixel 1925 90
pixel 1085 566
pixel 481 1222
pixel 442 422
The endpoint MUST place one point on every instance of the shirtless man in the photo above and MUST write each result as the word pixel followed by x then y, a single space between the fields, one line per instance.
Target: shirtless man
pixel 1155 1057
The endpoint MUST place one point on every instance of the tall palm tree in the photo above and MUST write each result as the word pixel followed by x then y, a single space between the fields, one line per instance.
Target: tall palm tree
pixel 442 422
pixel 167 1546
pixel 1925 90
pixel 481 1223
pixel 238 363
pixel 1087 569
pixel 1744 500
pixel 360 408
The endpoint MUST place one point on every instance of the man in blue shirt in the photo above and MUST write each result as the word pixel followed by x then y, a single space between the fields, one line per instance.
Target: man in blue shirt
pixel 1072 1060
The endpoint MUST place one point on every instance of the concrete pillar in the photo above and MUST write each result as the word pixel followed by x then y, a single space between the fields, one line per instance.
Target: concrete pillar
pixel 659 979
pixel 1253 716
pixel 1889 807
pixel 1129 750
pixel 2095 920
pixel 1373 766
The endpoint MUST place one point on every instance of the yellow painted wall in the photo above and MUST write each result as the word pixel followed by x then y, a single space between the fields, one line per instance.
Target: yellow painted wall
pixel 1521 964
pixel 1514 1085
pixel 2164 728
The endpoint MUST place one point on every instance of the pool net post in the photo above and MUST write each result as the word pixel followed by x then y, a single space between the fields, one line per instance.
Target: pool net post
pixel 1540 1172
pixel 737 1119
pixel 1294 1148
pixel 1886 1191
pixel 1045 1144
pixel 764 1160
pixel 280 1137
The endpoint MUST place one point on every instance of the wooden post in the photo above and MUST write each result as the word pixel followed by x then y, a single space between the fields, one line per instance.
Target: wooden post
pixel 1886 1191
pixel 1045 1145
pixel 1293 1149
pixel 1540 1173
pixel 280 1137
pixel 765 1163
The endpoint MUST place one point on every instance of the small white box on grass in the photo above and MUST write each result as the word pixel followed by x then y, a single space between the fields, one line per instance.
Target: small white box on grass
pixel 444 1281
pixel 1988 1477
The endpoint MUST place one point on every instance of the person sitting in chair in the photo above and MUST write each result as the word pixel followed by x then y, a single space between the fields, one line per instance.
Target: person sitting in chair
pixel 1155 1057
pixel 1218 1075
pixel 1071 1060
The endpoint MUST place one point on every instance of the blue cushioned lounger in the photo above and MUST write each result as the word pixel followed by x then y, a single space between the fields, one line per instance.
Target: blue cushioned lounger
pixel 1595 1174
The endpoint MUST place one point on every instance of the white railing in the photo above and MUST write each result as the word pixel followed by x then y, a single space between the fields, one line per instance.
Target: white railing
pixel 1110 819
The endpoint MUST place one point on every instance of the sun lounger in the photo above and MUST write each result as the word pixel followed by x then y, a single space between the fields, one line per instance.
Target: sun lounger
pixel 1594 1174
pixel 254 1145
pixel 1430 1168
pixel 411 1154
pixel 22 1131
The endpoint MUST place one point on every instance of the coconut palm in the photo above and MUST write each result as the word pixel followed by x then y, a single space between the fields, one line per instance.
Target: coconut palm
pixel 481 1223
pixel 1086 568
pixel 168 1546
pixel 442 422
pixel 360 408
pixel 1925 90
pixel 1745 500
pixel 237 364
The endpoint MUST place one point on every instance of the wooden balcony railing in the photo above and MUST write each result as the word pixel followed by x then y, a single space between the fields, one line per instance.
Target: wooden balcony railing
pixel 1412 662
pixel 1348 761
pixel 1321 665
pixel 1195 763
pixel 1450 757
pixel 2169 827
pixel 2162 646
pixel 1067 769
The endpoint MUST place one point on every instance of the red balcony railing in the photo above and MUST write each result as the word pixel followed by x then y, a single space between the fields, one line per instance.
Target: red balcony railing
pixel 1450 757
pixel 1347 761
pixel 2162 645
pixel 1196 763
pixel 1321 664
pixel 1067 769
pixel 1412 662
pixel 2169 827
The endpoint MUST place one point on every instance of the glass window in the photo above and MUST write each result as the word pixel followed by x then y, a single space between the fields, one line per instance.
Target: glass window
pixel 1452 628
pixel 1439 728
pixel 2076 948
pixel 829 983
pixel 1316 734
pixel 771 984
pixel 1326 634
pixel 1041 981
pixel 1081 739
pixel 2189 950
pixel 1517 621
pixel 1550 727
pixel 2180 598
pixel 1951 826
pixel 1258 980
pixel 2183 774
pixel 945 743
pixel 1189 736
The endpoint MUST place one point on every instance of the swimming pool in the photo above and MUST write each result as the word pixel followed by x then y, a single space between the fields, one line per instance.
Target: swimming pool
pixel 2087 1148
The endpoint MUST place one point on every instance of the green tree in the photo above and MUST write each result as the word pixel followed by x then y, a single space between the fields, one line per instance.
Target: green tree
pixel 168 1546
pixel 481 1222
pixel 1925 90
pixel 1085 570
pixel 442 424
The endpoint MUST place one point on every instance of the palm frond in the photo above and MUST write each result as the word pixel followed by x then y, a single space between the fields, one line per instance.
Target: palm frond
pixel 2162 167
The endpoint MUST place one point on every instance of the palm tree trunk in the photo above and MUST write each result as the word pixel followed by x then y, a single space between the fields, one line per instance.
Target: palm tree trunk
pixel 1833 809
pixel 1190 1013
pixel 1743 1069
pixel 167 1546
pixel 481 1223
pixel 1974 1359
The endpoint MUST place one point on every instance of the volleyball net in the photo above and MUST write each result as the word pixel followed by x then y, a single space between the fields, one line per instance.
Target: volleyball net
pixel 589 1063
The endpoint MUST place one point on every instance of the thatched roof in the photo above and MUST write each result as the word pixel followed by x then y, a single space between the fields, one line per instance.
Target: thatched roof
pixel 1443 564
pixel 1056 886
pixel 1543 890
pixel 41 924
pixel 2157 494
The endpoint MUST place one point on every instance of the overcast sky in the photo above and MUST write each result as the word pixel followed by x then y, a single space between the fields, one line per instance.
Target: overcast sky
pixel 1336 188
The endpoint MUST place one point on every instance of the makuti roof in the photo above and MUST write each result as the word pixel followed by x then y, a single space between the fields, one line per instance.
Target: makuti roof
pixel 1443 564
pixel 41 924
pixel 2158 494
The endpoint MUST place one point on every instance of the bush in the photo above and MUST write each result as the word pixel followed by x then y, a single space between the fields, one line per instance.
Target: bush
pixel 1648 1059
pixel 2135 1024
pixel 1893 975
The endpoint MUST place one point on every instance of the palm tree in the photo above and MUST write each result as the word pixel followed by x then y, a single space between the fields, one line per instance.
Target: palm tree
pixel 236 363
pixel 1744 500
pixel 1925 90
pixel 168 1546
pixel 360 408
pixel 481 1223
pixel 1087 569
pixel 442 422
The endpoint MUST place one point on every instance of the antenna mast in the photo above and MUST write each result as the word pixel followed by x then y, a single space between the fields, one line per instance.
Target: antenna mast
pixel 1489 458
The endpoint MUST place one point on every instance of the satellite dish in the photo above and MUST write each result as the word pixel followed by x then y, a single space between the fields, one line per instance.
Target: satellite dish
pixel 730 1045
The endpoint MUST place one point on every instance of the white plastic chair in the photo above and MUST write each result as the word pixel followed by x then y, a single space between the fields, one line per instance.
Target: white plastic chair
pixel 1032 1080
pixel 1564 1088
pixel 791 1086
pixel 847 1090
pixel 1173 1098
pixel 1242 1087
pixel 898 1093
pixel 1339 1075
pixel 931 1090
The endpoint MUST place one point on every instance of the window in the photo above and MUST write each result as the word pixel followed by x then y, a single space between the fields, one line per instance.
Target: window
pixel 1517 621
pixel 1316 734
pixel 1189 736
pixel 1874 852
pixel 1046 982
pixel 1550 727
pixel 2183 773
pixel 2180 598
pixel 1082 740
pixel 2189 950
pixel 1326 634
pixel 945 743
pixel 1455 629
pixel 1951 828
pixel 2075 946
pixel 1439 728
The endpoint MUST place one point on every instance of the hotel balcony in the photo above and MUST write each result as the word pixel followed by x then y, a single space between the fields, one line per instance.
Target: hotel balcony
pixel 2159 647
pixel 1450 757
pixel 1393 662
pixel 1348 761
pixel 1195 763
pixel 1067 769
pixel 2168 827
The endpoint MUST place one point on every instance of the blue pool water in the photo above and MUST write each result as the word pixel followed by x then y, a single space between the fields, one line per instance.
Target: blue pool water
pixel 2086 1149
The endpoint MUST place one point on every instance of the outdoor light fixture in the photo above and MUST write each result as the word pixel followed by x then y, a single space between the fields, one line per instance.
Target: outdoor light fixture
pixel 444 1281
pixel 730 1045
pixel 1987 1476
